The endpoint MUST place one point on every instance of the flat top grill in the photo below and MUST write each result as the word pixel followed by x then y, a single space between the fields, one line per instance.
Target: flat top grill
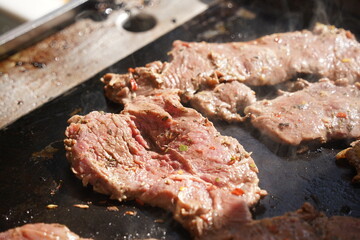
pixel 35 173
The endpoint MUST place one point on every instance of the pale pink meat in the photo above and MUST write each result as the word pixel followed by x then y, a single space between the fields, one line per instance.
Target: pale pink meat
pixel 169 156
pixel 40 231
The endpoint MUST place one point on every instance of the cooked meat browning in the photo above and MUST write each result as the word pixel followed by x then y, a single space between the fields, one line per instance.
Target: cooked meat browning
pixel 352 154
pixel 322 111
pixel 165 155
pixel 225 101
pixel 40 231
pixel 303 224
pixel 326 51
pixel 230 97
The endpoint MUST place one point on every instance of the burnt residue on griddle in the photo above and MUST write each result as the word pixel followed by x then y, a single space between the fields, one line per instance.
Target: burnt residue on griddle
pixel 49 50
pixel 75 111
pixel 45 153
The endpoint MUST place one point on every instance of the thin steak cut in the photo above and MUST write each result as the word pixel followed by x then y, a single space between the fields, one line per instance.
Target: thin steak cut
pixel 224 102
pixel 165 155
pixel 352 154
pixel 322 111
pixel 145 80
pixel 40 231
pixel 303 224
pixel 195 66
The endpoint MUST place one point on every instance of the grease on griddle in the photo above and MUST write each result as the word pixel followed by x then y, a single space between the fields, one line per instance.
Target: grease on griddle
pixel 52 206
pixel 56 188
pixel 245 14
pixel 75 111
pixel 46 153
pixel 159 220
pixel 82 206
pixel 131 213
pixel 219 29
pixel 27 65
pixel 112 208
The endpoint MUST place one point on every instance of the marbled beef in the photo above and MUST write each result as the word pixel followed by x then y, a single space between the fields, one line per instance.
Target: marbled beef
pixel 195 66
pixel 166 155
pixel 322 111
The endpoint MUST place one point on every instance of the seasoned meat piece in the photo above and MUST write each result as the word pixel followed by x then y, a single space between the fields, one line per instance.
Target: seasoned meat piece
pixel 303 224
pixel 322 111
pixel 326 51
pixel 225 101
pixel 165 155
pixel 40 231
pixel 229 97
pixel 352 154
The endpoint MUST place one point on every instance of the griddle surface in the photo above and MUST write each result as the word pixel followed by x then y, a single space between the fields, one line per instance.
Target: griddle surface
pixel 34 171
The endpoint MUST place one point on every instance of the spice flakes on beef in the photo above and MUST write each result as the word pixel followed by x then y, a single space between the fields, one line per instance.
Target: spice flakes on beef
pixel 165 155
pixel 322 111
pixel 228 99
pixel 195 66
